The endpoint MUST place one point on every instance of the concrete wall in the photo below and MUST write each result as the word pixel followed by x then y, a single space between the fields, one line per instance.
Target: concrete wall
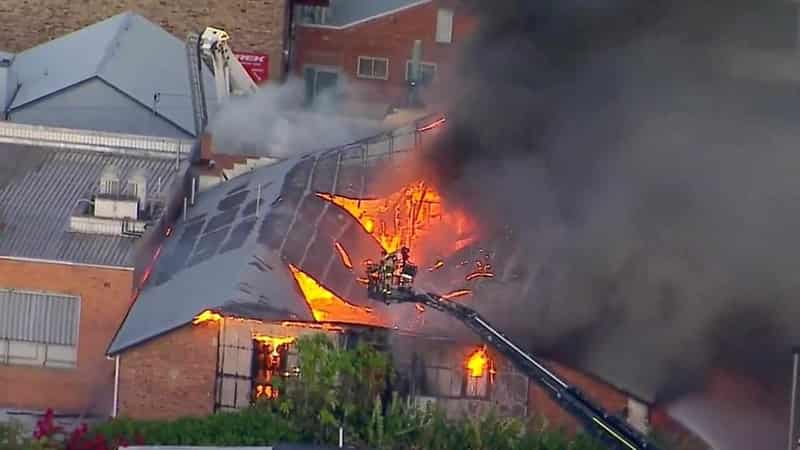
pixel 94 105
pixel 387 37
pixel 105 295
pixel 170 376
pixel 254 25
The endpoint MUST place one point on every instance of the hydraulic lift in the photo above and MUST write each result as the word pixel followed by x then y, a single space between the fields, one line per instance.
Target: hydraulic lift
pixel 391 281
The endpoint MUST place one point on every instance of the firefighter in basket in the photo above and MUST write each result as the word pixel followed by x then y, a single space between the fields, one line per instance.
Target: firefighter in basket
pixel 393 275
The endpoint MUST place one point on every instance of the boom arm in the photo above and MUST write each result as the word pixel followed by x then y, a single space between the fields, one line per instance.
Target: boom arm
pixel 391 283
pixel 229 75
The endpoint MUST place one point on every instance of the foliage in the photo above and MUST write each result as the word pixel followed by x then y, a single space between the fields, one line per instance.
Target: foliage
pixel 336 388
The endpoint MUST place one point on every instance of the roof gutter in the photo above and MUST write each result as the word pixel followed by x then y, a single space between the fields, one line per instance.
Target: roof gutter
pixel 367 19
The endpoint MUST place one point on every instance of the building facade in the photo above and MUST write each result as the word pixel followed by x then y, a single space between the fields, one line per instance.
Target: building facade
pixel 363 50
pixel 81 216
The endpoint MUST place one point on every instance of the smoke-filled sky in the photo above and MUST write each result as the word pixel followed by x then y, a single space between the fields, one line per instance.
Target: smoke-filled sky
pixel 651 180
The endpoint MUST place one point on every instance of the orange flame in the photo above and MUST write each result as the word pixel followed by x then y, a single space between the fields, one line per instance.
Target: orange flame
pixel 458 293
pixel 439 264
pixel 345 257
pixel 477 362
pixel 266 391
pixel 274 342
pixel 206 316
pixel 326 306
pixel 475 275
pixel 314 326
pixel 401 218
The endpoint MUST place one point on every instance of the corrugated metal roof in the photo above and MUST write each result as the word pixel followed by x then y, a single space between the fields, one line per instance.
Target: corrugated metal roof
pixel 40 186
pixel 128 52
pixel 342 13
pixel 39 317
pixel 227 257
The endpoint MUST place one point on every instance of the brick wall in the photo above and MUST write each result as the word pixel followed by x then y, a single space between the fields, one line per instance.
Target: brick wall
pixel 254 25
pixel 105 296
pixel 540 405
pixel 387 37
pixel 170 376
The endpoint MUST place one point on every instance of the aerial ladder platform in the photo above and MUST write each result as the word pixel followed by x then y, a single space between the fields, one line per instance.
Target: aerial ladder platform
pixel 391 281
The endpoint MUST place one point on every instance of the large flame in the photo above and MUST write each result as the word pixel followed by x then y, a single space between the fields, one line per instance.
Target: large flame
pixel 403 217
pixel 477 362
pixel 274 342
pixel 326 306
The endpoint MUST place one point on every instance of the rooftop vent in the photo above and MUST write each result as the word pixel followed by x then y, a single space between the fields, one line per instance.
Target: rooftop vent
pixel 137 187
pixel 110 181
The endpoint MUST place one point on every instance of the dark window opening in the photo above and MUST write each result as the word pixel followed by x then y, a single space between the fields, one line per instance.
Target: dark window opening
pixel 270 362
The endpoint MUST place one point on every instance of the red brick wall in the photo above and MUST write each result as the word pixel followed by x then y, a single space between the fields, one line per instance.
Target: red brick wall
pixel 541 405
pixel 105 296
pixel 389 37
pixel 170 376
pixel 254 25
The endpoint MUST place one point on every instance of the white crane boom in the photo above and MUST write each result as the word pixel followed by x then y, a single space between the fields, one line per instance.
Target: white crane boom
pixel 230 77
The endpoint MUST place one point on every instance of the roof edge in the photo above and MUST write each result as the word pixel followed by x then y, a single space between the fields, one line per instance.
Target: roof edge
pixel 91 140
pixel 367 19
pixel 113 350
pixel 64 263
pixel 108 83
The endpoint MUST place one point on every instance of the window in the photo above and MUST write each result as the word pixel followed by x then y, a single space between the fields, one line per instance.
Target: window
pixel 320 81
pixel 273 359
pixel 311 15
pixel 444 26
pixel 374 68
pixel 38 329
pixel 427 72
pixel 478 374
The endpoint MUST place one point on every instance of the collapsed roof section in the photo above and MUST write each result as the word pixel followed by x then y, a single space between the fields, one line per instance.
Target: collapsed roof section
pixel 237 248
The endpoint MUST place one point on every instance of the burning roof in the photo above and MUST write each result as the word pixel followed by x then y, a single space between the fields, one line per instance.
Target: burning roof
pixel 288 255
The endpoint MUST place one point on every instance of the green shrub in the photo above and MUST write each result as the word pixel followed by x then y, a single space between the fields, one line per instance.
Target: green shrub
pixel 342 388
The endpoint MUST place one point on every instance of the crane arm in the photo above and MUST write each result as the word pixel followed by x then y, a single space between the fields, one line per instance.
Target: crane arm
pixel 391 282
pixel 229 75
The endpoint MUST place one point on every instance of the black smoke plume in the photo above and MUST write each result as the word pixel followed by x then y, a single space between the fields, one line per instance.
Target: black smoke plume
pixel 644 155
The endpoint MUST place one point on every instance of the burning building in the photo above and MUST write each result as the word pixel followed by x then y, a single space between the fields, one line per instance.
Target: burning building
pixel 278 252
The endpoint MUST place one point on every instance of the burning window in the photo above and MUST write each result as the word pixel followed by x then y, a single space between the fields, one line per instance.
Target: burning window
pixel 270 361
pixel 479 374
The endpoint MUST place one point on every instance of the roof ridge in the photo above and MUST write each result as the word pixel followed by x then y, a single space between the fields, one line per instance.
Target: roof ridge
pixel 108 53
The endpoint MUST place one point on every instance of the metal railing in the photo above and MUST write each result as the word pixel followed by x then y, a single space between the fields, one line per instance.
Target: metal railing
pixel 17 133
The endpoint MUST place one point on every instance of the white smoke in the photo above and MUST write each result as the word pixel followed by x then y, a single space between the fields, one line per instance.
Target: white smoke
pixel 275 122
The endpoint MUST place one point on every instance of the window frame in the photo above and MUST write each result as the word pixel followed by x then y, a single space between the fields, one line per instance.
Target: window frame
pixel 422 64
pixel 42 358
pixel 372 59
pixel 441 13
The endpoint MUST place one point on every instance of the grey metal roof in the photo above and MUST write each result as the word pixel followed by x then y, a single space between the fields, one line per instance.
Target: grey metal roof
pixel 128 52
pixel 342 13
pixel 226 257
pixel 41 183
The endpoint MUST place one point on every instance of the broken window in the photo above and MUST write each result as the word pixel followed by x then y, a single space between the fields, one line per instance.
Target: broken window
pixel 272 359
pixel 479 374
